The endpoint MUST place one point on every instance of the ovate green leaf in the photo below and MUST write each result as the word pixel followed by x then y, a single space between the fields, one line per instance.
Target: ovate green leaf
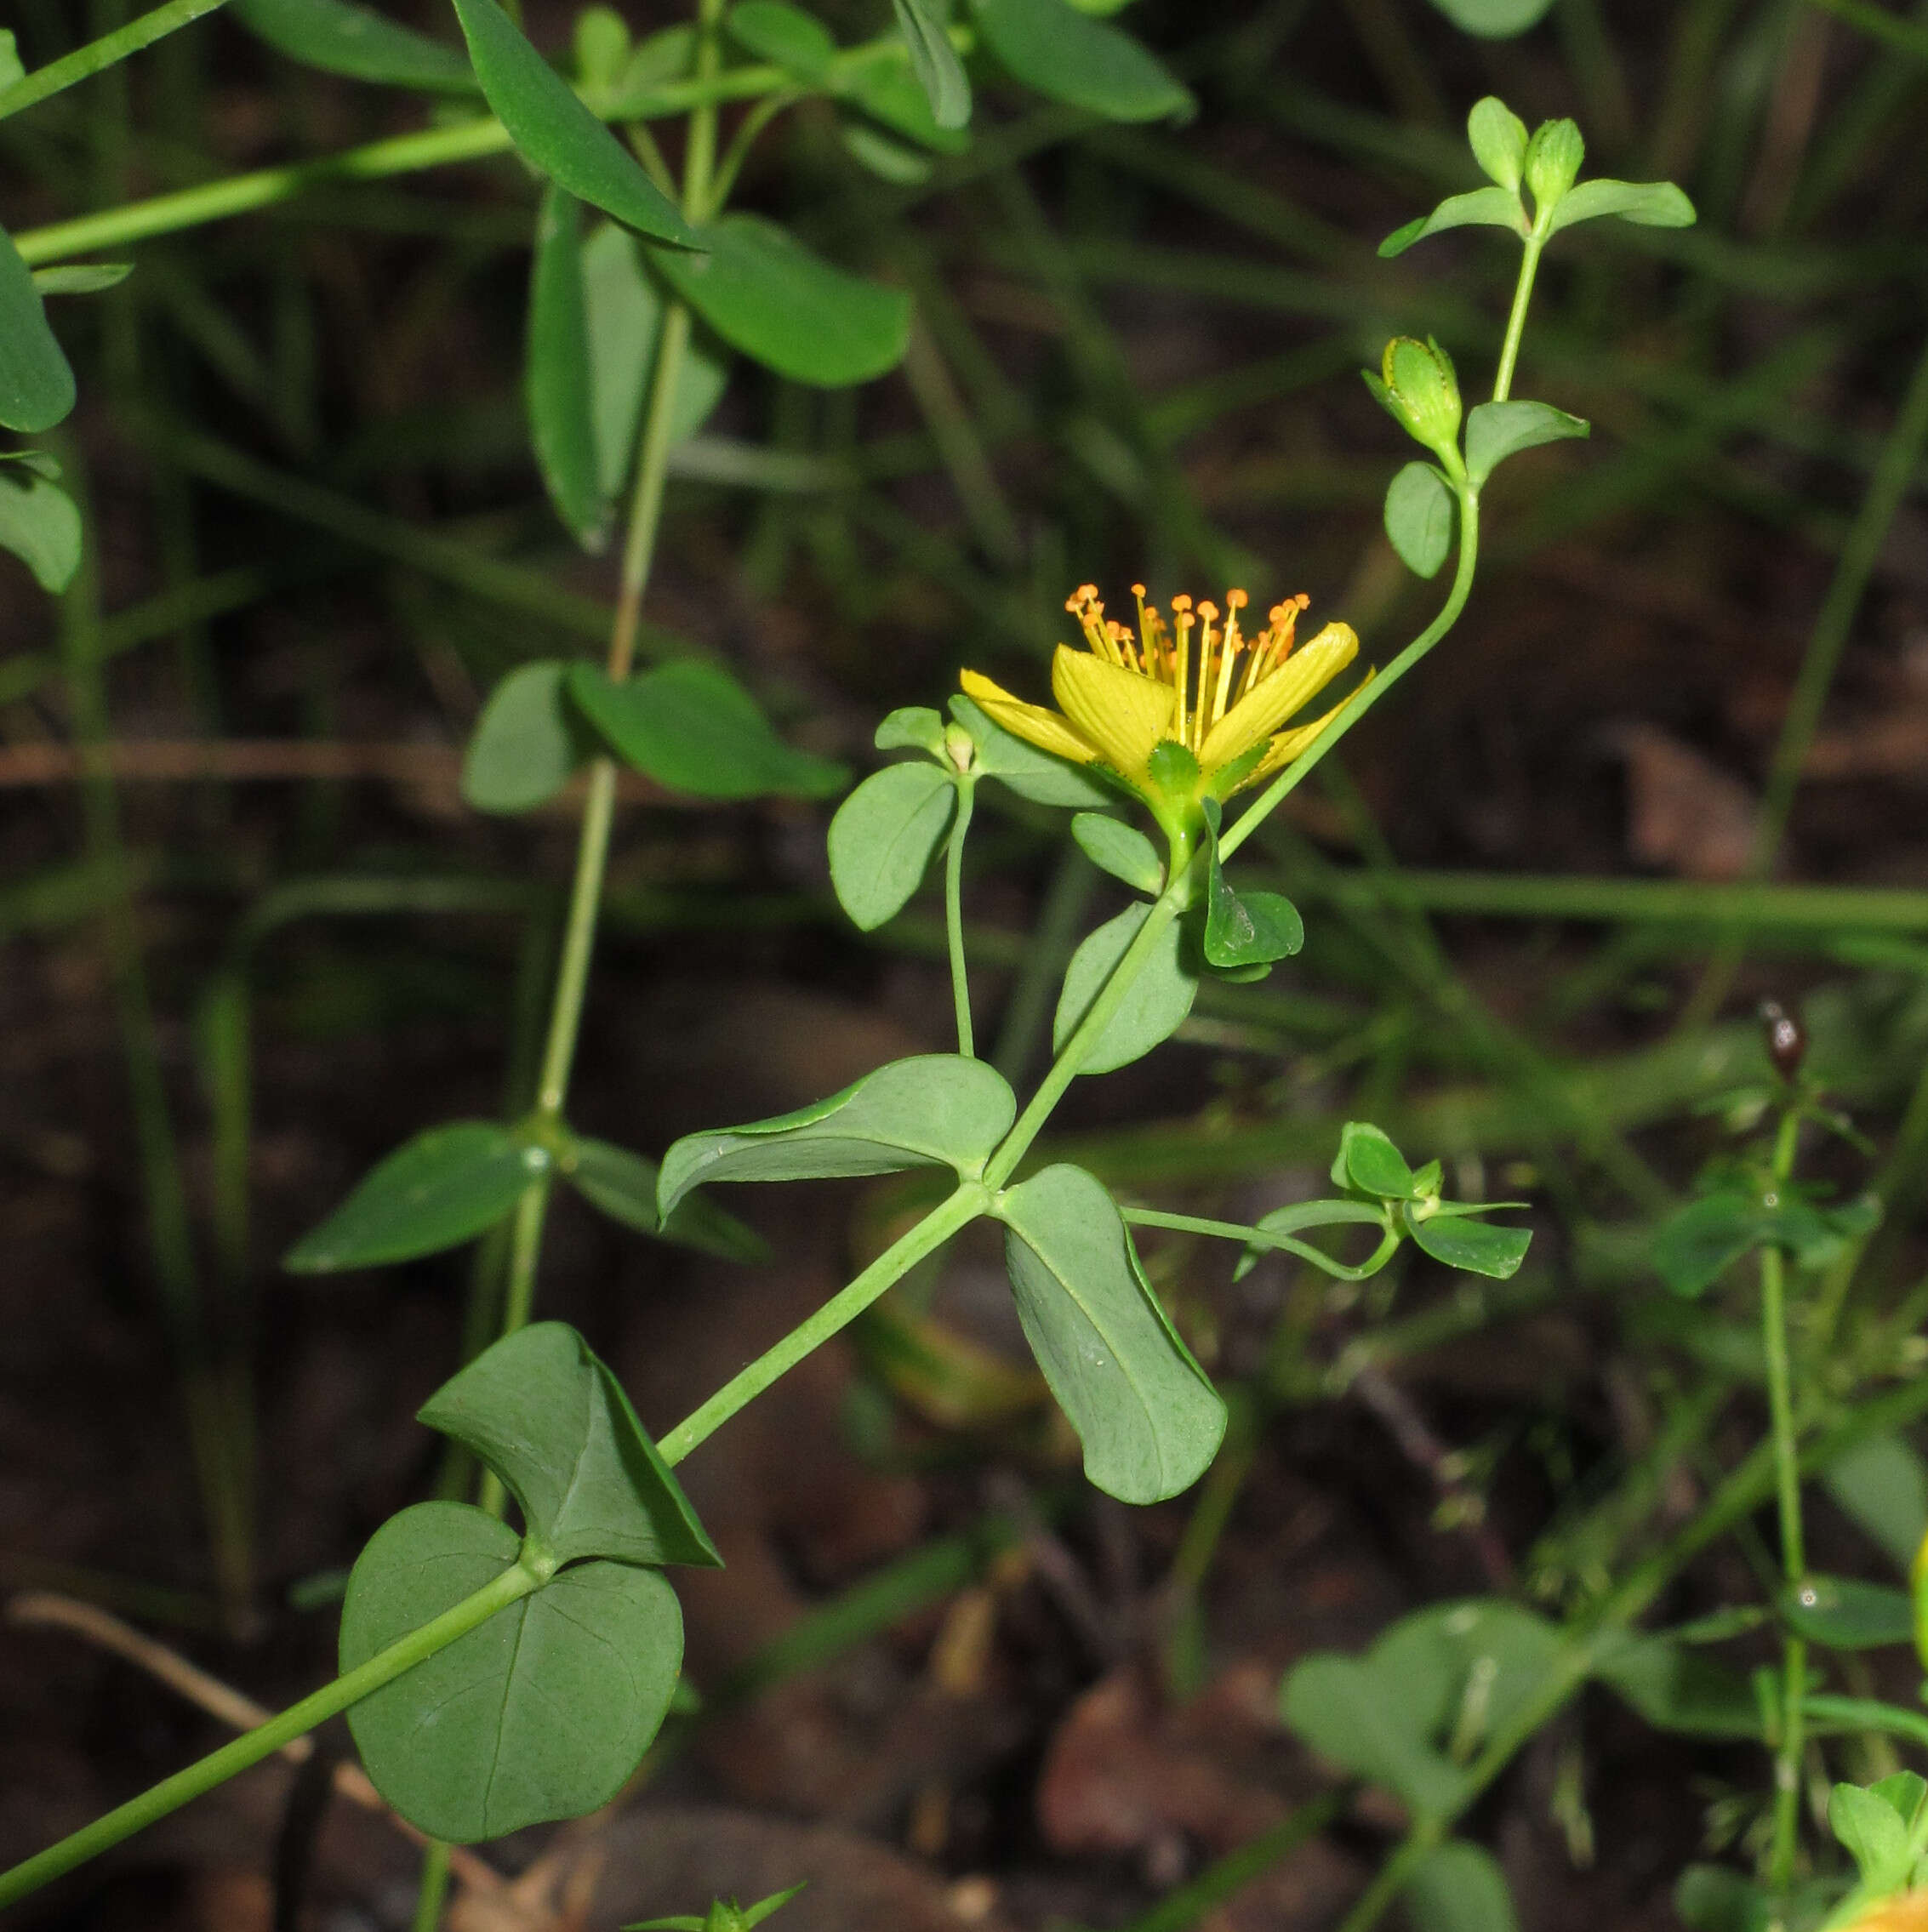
pixel 546 1415
pixel 1497 137
pixel 784 35
pixel 1494 19
pixel 1148 1417
pixel 1881 1483
pixel 37 387
pixel 1419 509
pixel 41 525
pixel 82 279
pixel 1066 55
pixel 1678 1688
pixel 556 133
pixel 765 294
pixel 1458 1887
pixel 1477 1246
pixel 1121 850
pixel 933 1110
pixel 1652 204
pixel 1368 1160
pixel 933 60
pixel 1875 1835
pixel 541 1713
pixel 1484 208
pixel 527 742
pixel 442 1188
pixel 691 726
pixel 341 37
pixel 884 837
pixel 1847 1615
pixel 624 1186
pixel 1154 1009
pixel 1497 430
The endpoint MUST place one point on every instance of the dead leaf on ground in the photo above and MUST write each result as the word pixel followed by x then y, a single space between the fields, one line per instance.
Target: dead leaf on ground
pixel 1684 813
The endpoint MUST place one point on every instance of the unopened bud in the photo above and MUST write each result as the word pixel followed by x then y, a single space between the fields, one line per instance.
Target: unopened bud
pixel 1553 160
pixel 1420 389
pixel 1787 1044
pixel 960 747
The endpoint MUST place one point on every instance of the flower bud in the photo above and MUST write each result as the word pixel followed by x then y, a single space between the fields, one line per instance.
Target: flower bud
pixel 960 747
pixel 1787 1044
pixel 1418 387
pixel 1553 161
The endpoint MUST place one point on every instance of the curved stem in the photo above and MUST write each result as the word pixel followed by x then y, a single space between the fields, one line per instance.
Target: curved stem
pixel 1274 1238
pixel 84 62
pixel 1369 694
pixel 953 913
pixel 518 1581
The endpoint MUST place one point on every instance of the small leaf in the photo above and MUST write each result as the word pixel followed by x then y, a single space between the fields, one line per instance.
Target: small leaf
pixel 784 35
pixel 1419 510
pixel 37 387
pixel 884 837
pixel 623 312
pixel 1498 138
pixel 1121 850
pixel 1676 1688
pixel 1882 1485
pixel 1154 1009
pixel 914 728
pixel 765 294
pixel 882 154
pixel 546 1414
pixel 1652 204
pixel 601 49
pixel 924 25
pixel 340 38
pixel 1484 208
pixel 933 1110
pixel 1251 930
pixel 1368 1160
pixel 12 73
pixel 1032 774
pixel 1875 1836
pixel 1497 430
pixel 542 1713
pixel 1065 55
pixel 1846 1614
pixel 880 84
pixel 444 1186
pixel 82 279
pixel 1476 1246
pixel 1494 19
pixel 556 379
pixel 1714 1898
pixel 624 1186
pixel 555 133
pixel 1458 1887
pixel 527 743
pixel 691 726
pixel 1694 1246
pixel 41 525
pixel 1148 1417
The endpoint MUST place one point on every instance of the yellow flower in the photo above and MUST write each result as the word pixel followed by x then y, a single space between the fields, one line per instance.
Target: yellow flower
pixel 1195 683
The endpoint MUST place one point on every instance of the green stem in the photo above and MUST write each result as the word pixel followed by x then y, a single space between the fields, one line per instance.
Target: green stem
pixel 1516 319
pixel 953 913
pixel 964 1207
pixel 1390 1879
pixel 527 1574
pixel 1277 1237
pixel 434 1887
pixel 1794 1554
pixel 1369 694
pixel 84 62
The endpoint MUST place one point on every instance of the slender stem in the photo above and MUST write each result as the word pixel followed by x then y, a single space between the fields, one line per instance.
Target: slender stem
pixel 1390 1879
pixel 528 1573
pixel 84 62
pixel 1516 320
pixel 1369 694
pixel 903 1254
pixel 1278 1238
pixel 954 913
pixel 434 1887
pixel 1794 1553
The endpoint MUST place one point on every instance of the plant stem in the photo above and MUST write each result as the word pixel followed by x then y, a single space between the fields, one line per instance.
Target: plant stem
pixel 1369 694
pixel 964 1207
pixel 1516 319
pixel 954 913
pixel 523 1576
pixel 1390 1879
pixel 1793 1555
pixel 434 1887
pixel 1278 1237
pixel 84 62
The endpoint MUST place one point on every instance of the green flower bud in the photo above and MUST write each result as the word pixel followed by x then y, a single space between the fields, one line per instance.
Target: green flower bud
pixel 960 747
pixel 1553 161
pixel 1419 388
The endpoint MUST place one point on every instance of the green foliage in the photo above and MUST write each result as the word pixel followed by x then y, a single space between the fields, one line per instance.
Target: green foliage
pixel 1846 1614
pixel 37 387
pixel 1419 388
pixel 444 1186
pixel 541 1713
pixel 1032 774
pixel 691 726
pixel 556 133
pixel 342 37
pixel 1120 849
pixel 723 1916
pixel 82 279
pixel 1066 55
pixel 1153 1010
pixel 623 1185
pixel 557 383
pixel 551 1421
pixel 1494 19
pixel 1676 1687
pixel 527 743
pixel 784 35
pixel 1699 1243
pixel 924 25
pixel 1458 1887
pixel 1252 929
pixel 935 1110
pixel 1419 515
pixel 1148 1417
pixel 767 294
pixel 1497 430
pixel 883 838
pixel 38 521
pixel 1881 1483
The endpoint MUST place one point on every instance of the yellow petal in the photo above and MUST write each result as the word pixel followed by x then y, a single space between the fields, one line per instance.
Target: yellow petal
pixel 1123 713
pixel 1269 702
pixel 1287 745
pixel 1031 723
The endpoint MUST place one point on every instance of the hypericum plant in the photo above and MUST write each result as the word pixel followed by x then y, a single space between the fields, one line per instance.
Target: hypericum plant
pixel 496 1676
